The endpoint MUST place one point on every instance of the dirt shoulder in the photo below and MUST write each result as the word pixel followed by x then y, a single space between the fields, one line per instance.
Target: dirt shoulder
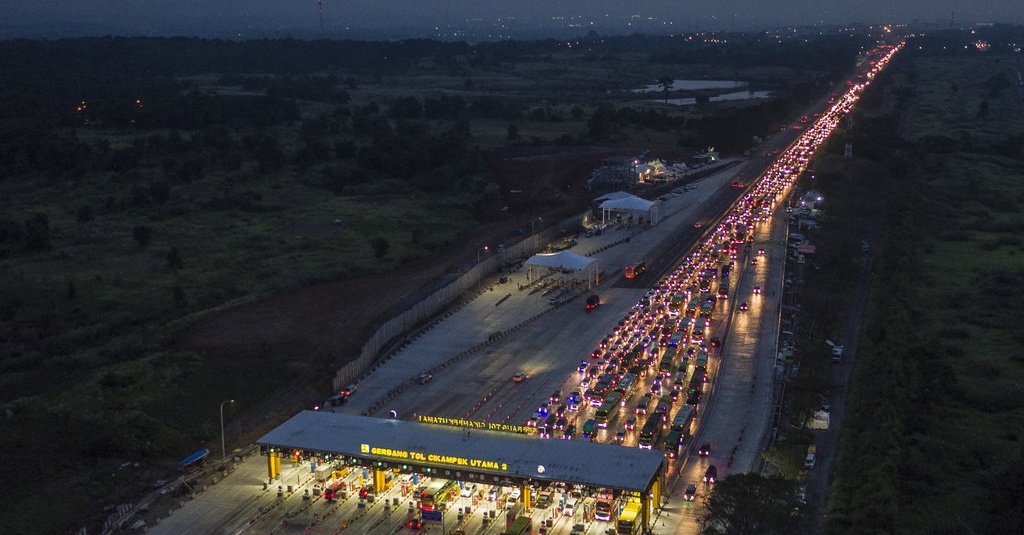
pixel 311 329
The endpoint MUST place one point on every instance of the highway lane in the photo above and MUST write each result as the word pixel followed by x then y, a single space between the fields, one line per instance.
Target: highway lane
pixel 733 423
pixel 549 348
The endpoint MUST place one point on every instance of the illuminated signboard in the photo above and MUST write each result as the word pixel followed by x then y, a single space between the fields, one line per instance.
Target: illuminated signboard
pixel 472 424
pixel 417 456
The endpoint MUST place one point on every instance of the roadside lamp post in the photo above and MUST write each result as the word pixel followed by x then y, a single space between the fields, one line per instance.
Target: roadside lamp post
pixel 533 224
pixel 480 274
pixel 223 449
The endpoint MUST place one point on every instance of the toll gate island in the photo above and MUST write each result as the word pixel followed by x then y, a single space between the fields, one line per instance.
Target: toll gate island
pixel 469 451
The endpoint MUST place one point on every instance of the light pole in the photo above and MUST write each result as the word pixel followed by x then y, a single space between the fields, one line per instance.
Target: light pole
pixel 223 449
pixel 479 274
pixel 533 224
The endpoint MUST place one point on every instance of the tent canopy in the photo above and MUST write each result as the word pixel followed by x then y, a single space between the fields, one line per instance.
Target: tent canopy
pixel 614 195
pixel 561 260
pixel 630 202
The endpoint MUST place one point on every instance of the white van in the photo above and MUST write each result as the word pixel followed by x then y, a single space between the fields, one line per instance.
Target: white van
pixel 569 509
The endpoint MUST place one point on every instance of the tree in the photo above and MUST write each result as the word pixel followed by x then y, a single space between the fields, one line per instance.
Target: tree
pixel 37 233
pixel 174 259
pixel 744 504
pixel 10 231
pixel 380 247
pixel 179 296
pixel 602 122
pixel 666 83
pixel 85 213
pixel 513 132
pixel 142 235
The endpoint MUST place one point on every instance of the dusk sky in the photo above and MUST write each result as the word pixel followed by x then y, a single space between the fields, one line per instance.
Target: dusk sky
pixel 226 18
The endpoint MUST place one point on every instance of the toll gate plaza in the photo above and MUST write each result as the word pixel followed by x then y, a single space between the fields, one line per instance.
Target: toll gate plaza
pixel 467 451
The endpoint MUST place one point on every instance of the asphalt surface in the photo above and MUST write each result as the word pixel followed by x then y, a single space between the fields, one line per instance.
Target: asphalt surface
pixel 543 341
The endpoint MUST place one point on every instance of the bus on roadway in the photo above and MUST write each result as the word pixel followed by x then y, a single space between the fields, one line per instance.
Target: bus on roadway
pixel 437 493
pixel 673 441
pixel 521 526
pixel 630 518
pixel 635 269
pixel 626 387
pixel 683 419
pixel 651 432
pixel 608 408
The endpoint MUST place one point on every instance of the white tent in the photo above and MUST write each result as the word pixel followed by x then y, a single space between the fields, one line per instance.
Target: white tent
pixel 640 209
pixel 562 261
pixel 614 195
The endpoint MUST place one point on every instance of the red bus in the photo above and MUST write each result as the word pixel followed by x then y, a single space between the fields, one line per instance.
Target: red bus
pixel 635 269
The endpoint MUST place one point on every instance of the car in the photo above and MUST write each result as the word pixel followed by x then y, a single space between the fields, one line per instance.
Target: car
pixel 691 492
pixel 366 491
pixel 561 423
pixel 415 522
pixel 760 252
pixel 738 184
pixel 544 431
pixel 757 290
pixel 631 422
pixel 620 435
pixel 518 377
pixel 544 409
pixel 582 368
pixel 698 224
pixel 753 262
pixel 560 411
pixel 424 378
pixel 711 474
pixel 467 490
pixel 704 450
pixel 569 432
pixel 744 307
pixel 715 341
pixel 592 302
pixel 534 421
pixel 556 396
pixel 492 495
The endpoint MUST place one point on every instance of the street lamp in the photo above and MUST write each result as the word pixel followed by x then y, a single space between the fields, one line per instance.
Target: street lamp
pixel 533 223
pixel 479 275
pixel 223 449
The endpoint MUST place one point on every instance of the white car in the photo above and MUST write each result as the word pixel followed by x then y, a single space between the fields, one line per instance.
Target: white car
pixel 467 490
pixel 492 495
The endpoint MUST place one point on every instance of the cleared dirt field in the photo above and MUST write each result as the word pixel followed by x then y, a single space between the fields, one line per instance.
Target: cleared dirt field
pixel 313 328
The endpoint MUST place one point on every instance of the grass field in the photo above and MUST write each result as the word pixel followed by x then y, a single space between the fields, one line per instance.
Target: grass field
pixel 933 444
pixel 192 221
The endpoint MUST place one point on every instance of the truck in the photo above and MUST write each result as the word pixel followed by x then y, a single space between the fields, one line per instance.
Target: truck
pixel 605 506
pixel 812 450
pixel 837 351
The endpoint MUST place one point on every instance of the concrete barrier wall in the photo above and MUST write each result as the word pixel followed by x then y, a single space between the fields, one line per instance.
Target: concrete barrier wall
pixel 405 322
